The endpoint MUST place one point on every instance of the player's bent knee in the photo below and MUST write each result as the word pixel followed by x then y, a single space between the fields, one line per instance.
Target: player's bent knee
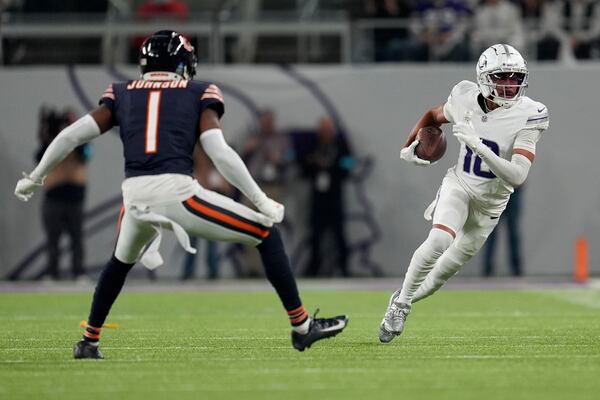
pixel 126 257
pixel 444 228
pixel 439 240
pixel 273 242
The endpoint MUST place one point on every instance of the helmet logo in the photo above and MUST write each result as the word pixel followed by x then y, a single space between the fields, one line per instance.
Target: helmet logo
pixel 482 62
pixel 186 44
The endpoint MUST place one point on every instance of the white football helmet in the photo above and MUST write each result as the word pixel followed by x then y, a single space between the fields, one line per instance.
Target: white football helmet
pixel 502 61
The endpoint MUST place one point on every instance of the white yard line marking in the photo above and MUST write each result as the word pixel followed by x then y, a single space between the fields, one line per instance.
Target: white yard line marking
pixel 405 357
pixel 588 298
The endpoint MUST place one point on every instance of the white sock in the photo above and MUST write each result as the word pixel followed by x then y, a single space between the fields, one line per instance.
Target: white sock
pixel 303 327
pixel 445 268
pixel 422 262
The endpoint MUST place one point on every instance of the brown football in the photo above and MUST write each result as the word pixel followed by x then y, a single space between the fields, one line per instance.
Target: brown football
pixel 432 143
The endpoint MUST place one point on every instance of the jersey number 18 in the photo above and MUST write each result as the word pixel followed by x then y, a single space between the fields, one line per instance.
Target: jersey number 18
pixel 477 165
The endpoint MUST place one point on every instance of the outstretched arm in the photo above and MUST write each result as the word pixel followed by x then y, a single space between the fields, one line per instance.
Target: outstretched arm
pixel 231 166
pixel 513 172
pixel 81 131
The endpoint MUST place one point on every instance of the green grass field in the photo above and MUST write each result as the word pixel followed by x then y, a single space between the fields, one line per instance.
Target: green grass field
pixel 497 344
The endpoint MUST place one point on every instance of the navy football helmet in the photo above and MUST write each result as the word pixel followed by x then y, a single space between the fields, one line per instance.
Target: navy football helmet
pixel 168 51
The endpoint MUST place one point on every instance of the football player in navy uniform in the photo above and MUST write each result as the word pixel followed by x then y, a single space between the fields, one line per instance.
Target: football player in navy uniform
pixel 161 116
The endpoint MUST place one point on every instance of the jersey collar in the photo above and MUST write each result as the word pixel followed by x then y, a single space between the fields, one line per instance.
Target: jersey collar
pixel 161 76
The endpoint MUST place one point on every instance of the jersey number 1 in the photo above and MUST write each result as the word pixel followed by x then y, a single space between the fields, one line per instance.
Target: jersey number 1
pixel 152 121
pixel 477 167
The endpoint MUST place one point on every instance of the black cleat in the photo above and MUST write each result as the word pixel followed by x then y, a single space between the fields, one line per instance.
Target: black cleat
pixel 320 328
pixel 84 349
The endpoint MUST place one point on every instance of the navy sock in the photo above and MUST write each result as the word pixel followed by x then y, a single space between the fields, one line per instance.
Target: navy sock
pixel 108 288
pixel 279 273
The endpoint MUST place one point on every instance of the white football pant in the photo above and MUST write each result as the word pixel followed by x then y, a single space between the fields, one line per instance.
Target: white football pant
pixel 441 256
pixel 204 213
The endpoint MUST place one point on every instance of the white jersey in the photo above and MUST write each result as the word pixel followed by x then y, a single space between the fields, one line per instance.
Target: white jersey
pixel 502 129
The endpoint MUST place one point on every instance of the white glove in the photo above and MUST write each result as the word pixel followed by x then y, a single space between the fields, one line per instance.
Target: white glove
pixel 466 134
pixel 272 209
pixel 408 154
pixel 26 186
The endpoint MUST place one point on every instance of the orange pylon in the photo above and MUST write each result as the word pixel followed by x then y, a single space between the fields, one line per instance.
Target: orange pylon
pixel 581 267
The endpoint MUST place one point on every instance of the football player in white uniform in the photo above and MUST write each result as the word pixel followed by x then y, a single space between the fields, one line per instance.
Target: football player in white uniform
pixel 498 128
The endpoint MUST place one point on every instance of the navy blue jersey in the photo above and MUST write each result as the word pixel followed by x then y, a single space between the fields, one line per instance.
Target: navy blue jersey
pixel 158 122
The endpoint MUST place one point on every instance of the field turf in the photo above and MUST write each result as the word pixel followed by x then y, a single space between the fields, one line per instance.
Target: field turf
pixel 496 344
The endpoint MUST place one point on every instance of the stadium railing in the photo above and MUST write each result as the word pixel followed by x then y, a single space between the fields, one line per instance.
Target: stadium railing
pixel 115 33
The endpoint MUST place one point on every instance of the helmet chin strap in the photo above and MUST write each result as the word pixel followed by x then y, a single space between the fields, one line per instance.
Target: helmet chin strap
pixel 161 76
pixel 485 103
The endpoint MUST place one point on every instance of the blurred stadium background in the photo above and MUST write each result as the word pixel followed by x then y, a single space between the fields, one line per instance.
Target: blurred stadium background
pixel 372 66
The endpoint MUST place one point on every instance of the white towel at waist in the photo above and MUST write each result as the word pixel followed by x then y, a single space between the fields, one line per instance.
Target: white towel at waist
pixel 151 257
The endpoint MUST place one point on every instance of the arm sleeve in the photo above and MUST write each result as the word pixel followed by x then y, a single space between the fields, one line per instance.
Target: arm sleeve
pixel 229 164
pixel 81 131
pixel 513 172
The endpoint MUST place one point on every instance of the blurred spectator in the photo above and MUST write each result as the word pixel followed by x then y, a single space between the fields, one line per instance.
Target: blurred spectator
pixel 60 50
pixel 327 166
pixel 207 175
pixel 62 210
pixel 550 27
pixel 510 218
pixel 388 41
pixel 7 5
pixel 442 26
pixel 497 21
pixel 569 30
pixel 582 21
pixel 73 6
pixel 531 9
pixel 152 10
pixel 267 153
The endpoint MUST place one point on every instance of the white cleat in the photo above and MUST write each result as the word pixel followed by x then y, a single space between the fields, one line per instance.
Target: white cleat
pixel 393 320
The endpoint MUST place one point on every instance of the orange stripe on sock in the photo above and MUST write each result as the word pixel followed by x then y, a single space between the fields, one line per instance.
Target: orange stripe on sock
pixel 296 310
pixel 301 318
pixel 91 335
pixel 93 328
pixel 226 218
